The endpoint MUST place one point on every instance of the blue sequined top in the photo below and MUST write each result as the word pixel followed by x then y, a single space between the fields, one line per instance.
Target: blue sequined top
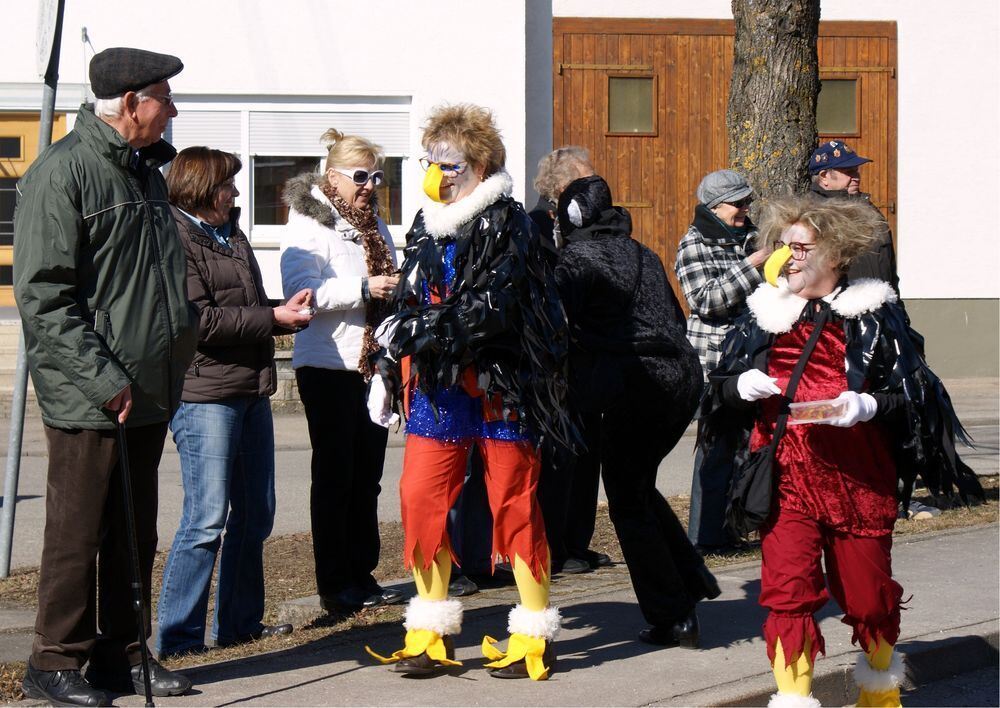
pixel 460 416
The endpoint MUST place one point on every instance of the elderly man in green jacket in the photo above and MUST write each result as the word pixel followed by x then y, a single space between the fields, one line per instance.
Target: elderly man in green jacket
pixel 99 278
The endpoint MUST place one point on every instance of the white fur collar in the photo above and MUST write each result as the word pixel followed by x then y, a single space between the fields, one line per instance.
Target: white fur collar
pixel 776 309
pixel 443 220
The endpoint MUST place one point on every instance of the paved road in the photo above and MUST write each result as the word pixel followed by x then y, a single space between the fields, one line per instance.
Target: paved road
pixel 975 688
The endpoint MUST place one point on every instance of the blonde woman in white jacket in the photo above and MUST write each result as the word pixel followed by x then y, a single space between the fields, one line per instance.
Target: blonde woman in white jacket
pixel 335 242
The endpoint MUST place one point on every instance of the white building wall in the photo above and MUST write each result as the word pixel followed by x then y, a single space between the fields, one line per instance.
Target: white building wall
pixel 949 130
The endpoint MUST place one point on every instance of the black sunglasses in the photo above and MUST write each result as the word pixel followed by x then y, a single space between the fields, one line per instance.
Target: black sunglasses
pixel 741 204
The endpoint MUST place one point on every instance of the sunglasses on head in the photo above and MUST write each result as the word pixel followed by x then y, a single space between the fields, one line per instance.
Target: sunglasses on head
pixel 741 204
pixel 360 177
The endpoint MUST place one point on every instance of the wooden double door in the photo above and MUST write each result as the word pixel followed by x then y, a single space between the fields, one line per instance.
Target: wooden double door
pixel 649 98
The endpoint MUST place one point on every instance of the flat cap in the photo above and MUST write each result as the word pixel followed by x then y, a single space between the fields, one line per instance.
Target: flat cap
pixel 722 186
pixel 118 70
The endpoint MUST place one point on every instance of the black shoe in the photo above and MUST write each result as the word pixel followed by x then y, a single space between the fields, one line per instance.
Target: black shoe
pixel 423 665
pixel 163 682
pixel 462 586
pixel 503 569
pixel 267 630
pixel 598 560
pixel 574 566
pixel 519 669
pixel 62 688
pixel 683 633
pixel 379 596
pixel 708 583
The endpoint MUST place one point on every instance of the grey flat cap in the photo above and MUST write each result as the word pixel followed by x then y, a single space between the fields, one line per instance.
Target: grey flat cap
pixel 117 70
pixel 722 186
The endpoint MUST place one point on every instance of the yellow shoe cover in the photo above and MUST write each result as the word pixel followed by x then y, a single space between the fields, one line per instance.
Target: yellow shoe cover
pixel 879 699
pixel 417 642
pixel 520 647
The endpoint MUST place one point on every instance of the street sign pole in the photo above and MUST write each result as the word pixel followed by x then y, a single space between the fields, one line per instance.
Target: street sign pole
pixel 50 18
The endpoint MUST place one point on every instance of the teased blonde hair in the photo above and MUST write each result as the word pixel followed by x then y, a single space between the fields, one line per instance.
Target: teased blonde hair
pixel 559 168
pixel 350 150
pixel 468 128
pixel 844 228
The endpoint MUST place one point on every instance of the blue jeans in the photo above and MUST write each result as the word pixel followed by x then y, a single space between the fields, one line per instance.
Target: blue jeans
pixel 227 468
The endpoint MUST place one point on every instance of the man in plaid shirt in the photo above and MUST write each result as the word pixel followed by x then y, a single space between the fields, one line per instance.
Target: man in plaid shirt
pixel 716 276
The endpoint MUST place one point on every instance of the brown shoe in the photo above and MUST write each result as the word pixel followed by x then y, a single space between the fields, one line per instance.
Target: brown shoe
pixel 423 665
pixel 519 669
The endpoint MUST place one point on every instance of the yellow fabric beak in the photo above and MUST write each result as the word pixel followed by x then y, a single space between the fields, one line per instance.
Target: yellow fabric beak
pixel 432 182
pixel 417 642
pixel 519 646
pixel 774 264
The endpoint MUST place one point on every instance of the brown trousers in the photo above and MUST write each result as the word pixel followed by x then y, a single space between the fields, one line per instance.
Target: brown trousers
pixel 86 541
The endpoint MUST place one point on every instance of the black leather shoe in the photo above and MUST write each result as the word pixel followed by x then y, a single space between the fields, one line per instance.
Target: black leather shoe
pixel 163 682
pixel 461 586
pixel 62 688
pixel 519 669
pixel 574 566
pixel 709 583
pixel 683 633
pixel 379 596
pixel 423 665
pixel 598 560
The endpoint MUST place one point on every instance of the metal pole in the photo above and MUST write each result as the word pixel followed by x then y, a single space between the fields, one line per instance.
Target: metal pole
pixel 21 371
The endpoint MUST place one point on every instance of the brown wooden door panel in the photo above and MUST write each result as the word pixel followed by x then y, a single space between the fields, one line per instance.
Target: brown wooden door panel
pixel 656 175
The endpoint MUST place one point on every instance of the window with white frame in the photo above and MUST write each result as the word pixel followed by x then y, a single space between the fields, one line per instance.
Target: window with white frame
pixel 283 141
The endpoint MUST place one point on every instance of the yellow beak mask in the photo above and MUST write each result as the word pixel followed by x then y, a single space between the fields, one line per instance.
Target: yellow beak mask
pixel 774 264
pixel 432 181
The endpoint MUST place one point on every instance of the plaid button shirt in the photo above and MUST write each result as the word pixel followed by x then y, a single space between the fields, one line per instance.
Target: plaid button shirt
pixel 716 279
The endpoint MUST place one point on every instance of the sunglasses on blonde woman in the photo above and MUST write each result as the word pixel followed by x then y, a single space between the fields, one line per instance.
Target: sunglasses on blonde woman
pixel 361 177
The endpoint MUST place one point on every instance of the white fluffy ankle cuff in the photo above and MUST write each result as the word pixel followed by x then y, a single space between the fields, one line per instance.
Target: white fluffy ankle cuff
pixel 441 616
pixel 534 623
pixel 867 677
pixel 792 700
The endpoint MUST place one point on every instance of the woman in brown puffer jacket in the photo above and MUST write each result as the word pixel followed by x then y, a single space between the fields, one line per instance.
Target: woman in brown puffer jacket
pixel 223 428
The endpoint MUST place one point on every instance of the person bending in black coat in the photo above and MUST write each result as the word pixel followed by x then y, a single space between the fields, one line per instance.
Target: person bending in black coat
pixel 632 366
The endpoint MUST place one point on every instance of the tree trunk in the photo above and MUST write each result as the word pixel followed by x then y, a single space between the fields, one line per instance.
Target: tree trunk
pixel 772 99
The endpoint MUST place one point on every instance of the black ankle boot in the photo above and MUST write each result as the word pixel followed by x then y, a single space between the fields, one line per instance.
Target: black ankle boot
pixel 62 688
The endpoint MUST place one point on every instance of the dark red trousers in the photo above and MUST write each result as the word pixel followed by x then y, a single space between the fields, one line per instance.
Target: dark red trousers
pixel 859 574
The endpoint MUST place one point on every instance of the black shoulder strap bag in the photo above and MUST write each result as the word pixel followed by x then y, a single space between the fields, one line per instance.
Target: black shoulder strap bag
pixel 752 486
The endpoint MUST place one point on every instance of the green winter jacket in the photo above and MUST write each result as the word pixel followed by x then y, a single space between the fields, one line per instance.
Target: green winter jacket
pixel 99 278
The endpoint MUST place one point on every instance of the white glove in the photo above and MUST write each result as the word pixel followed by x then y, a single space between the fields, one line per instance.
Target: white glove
pixel 379 401
pixel 858 408
pixel 754 385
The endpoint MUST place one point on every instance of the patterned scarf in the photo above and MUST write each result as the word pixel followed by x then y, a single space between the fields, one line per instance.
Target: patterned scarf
pixel 378 260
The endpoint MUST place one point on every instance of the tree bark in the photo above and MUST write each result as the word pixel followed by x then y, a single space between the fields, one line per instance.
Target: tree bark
pixel 772 99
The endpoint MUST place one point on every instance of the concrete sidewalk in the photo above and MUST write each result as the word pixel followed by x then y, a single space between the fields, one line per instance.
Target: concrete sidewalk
pixel 950 627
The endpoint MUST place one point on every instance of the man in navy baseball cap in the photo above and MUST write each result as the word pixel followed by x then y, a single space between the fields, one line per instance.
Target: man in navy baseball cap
pixel 835 168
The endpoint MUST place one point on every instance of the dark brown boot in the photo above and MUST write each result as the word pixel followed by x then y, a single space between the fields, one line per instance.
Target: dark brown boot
pixel 423 665
pixel 519 669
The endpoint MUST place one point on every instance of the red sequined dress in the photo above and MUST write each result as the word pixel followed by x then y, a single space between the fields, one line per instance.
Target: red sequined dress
pixel 844 478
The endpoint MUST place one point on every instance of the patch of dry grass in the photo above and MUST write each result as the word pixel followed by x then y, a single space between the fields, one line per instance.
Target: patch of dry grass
pixel 289 572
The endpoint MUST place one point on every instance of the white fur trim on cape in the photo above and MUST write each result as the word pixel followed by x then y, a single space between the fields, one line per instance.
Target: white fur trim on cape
pixel 534 623
pixel 441 616
pixel 777 309
pixel 872 680
pixel 442 220
pixel 792 700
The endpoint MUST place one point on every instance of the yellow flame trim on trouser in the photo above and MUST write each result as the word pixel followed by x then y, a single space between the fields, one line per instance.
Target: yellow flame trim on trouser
pixel 432 182
pixel 534 593
pixel 775 262
pixel 879 658
pixel 417 642
pixel 795 678
pixel 520 647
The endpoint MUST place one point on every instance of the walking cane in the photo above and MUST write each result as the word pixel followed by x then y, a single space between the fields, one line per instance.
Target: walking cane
pixel 133 549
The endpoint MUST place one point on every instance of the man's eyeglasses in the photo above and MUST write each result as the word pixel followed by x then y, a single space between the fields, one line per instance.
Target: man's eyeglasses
pixel 799 250
pixel 167 99
pixel 361 177
pixel 744 203
pixel 449 168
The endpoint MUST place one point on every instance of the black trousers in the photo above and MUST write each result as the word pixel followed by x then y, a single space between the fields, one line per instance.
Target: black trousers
pixel 662 562
pixel 86 547
pixel 568 488
pixel 348 451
